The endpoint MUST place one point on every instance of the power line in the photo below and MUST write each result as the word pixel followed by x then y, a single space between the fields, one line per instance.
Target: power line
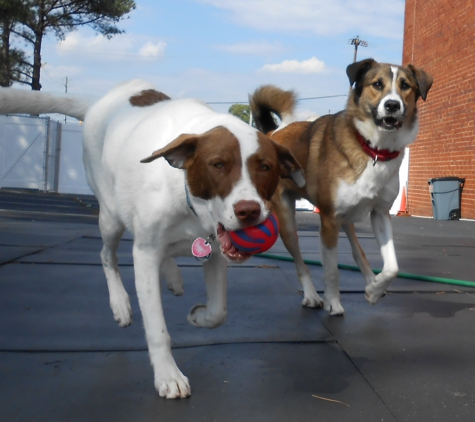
pixel 319 98
pixel 298 99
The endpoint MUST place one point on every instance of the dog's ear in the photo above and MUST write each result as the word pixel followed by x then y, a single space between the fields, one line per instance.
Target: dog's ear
pixel 423 79
pixel 290 168
pixel 357 70
pixel 177 152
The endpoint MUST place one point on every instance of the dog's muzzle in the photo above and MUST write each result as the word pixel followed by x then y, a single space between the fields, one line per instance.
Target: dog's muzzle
pixel 392 116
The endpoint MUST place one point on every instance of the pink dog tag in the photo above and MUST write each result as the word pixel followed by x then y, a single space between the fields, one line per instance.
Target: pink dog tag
pixel 201 249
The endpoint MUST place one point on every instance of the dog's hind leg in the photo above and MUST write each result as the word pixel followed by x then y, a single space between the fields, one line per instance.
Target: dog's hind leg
pixel 285 209
pixel 329 231
pixel 381 222
pixel 358 253
pixel 214 313
pixel 173 276
pixel 111 232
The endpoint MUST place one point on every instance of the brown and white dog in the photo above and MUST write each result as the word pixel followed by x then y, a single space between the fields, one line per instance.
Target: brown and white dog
pixel 220 176
pixel 351 161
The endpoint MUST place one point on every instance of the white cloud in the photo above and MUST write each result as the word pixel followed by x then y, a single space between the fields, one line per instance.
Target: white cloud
pixel 119 48
pixel 312 65
pixel 251 48
pixel 330 18
pixel 153 50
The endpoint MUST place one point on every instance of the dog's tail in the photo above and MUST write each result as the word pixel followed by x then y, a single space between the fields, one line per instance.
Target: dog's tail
pixel 14 101
pixel 268 99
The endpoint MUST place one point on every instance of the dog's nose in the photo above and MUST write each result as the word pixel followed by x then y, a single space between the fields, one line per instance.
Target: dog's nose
pixel 247 211
pixel 392 106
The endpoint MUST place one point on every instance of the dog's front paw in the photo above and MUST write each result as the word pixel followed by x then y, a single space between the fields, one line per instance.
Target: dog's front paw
pixel 175 387
pixel 200 317
pixel 373 293
pixel 312 301
pixel 121 310
pixel 333 306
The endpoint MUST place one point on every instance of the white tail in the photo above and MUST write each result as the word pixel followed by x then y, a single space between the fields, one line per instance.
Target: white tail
pixel 14 101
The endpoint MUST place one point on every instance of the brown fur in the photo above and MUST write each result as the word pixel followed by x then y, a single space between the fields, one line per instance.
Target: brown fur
pixel 312 143
pixel 281 100
pixel 147 98
pixel 327 148
pixel 359 105
pixel 213 162
pixel 330 153
pixel 264 167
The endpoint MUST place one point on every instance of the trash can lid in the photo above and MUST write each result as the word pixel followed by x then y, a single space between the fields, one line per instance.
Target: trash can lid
pixel 442 179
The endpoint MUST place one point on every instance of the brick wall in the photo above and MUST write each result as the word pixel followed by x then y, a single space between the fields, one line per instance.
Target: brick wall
pixel 439 36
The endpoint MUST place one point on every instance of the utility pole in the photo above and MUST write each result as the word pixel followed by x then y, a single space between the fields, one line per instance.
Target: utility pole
pixel 357 43
pixel 65 91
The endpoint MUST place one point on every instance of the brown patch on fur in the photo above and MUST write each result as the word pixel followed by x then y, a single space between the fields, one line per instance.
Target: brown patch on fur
pixel 216 165
pixel 264 168
pixel 212 160
pixel 295 140
pixel 147 98
pixel 329 231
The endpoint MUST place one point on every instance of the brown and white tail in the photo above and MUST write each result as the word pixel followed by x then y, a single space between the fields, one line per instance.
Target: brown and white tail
pixel 22 101
pixel 268 99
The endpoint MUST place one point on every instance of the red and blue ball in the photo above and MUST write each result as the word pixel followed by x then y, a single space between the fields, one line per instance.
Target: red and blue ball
pixel 256 239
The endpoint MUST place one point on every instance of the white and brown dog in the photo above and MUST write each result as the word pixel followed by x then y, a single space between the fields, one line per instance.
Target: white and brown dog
pixel 351 161
pixel 220 176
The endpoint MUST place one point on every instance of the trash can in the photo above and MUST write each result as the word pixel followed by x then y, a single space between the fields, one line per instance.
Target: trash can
pixel 446 194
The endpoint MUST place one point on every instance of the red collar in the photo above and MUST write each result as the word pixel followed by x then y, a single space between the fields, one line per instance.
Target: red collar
pixel 375 153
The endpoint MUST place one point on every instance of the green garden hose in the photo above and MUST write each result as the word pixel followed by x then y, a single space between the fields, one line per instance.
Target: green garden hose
pixel 418 277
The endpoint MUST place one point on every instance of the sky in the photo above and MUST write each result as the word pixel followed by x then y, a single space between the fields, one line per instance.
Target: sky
pixel 220 51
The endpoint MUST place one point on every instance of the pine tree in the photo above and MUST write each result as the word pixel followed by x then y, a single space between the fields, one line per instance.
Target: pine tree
pixel 32 20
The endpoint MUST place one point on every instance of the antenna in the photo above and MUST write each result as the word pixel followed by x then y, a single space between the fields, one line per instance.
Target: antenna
pixel 65 91
pixel 357 43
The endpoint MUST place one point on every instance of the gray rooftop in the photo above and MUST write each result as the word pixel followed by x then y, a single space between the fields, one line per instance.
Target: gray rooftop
pixel 63 358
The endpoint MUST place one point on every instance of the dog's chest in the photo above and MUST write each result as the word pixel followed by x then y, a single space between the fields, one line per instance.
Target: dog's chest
pixel 377 187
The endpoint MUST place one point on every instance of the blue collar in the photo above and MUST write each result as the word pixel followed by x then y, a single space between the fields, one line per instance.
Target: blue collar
pixel 188 201
pixel 211 237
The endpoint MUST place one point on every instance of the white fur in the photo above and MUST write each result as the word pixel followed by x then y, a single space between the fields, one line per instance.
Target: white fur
pixel 331 300
pixel 373 192
pixel 393 95
pixel 243 190
pixel 286 119
pixel 150 201
pixel 378 186
pixel 382 139
pixel 395 140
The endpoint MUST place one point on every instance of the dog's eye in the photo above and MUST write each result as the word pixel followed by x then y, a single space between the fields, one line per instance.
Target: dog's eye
pixel 218 165
pixel 378 85
pixel 405 86
pixel 265 167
